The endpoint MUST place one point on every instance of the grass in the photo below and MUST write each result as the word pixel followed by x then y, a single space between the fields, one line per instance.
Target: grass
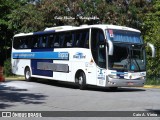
pixel 150 81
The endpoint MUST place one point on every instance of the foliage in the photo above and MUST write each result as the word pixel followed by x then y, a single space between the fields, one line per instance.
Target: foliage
pixel 151 30
pixel 35 15
pixel 6 7
pixel 26 18
pixel 51 13
pixel 153 81
pixel 7 68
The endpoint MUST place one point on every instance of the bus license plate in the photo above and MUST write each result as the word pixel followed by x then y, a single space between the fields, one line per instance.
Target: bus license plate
pixel 130 83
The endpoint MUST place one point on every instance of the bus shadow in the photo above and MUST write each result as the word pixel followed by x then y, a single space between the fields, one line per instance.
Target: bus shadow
pixel 58 83
pixel 10 95
pixel 120 89
pixel 89 88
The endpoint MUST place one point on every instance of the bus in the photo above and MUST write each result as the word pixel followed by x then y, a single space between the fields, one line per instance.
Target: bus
pixel 101 55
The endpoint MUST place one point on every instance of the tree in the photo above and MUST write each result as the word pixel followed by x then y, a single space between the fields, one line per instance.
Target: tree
pixel 26 18
pixel 50 13
pixel 6 7
pixel 151 31
pixel 36 15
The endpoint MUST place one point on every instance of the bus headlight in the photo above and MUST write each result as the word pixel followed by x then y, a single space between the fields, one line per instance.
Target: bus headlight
pixel 113 76
pixel 142 78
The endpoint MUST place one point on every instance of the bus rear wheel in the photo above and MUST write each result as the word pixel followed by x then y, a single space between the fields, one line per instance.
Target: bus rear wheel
pixel 27 74
pixel 82 81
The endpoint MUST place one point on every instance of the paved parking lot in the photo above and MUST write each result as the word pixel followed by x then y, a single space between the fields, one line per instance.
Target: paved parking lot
pixel 55 96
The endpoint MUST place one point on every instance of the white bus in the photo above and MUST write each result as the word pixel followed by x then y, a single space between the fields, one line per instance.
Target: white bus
pixel 102 55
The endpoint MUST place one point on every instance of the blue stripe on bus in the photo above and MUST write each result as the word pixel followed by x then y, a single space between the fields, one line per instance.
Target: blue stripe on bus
pixel 41 55
pixel 35 71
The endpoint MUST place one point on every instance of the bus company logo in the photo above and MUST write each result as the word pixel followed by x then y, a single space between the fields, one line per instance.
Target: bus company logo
pixel 63 55
pixel 79 55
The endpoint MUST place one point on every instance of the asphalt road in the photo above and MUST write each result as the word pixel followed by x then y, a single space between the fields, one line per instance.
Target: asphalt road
pixel 55 96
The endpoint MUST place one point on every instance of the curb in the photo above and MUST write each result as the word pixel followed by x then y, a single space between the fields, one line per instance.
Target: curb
pixel 16 78
pixel 151 86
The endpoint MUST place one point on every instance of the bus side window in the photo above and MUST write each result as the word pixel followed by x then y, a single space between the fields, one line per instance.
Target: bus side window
pixel 82 38
pixel 67 40
pixel 77 38
pixel 61 39
pixel 36 42
pixel 47 41
pixel 56 41
pixel 43 41
pixel 86 44
pixel 73 38
pixel 17 42
pixel 23 43
pixel 27 42
pixel 51 39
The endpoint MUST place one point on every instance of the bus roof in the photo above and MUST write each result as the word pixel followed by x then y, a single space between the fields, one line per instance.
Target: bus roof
pixel 69 28
pixel 104 26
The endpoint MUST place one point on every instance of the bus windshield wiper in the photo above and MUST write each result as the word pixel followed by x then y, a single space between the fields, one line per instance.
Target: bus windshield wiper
pixel 137 64
pixel 135 60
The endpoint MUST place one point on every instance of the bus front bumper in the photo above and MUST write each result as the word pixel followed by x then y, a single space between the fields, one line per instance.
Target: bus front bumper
pixel 124 82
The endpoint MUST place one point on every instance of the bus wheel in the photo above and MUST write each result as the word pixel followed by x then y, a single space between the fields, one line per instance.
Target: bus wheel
pixel 82 80
pixel 27 74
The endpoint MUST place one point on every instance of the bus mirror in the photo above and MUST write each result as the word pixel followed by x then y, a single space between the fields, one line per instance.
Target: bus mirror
pixel 110 45
pixel 152 48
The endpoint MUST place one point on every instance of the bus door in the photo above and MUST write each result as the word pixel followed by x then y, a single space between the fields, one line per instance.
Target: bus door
pixel 98 48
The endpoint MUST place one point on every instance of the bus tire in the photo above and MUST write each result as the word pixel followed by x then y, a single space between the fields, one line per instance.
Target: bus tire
pixel 27 74
pixel 82 81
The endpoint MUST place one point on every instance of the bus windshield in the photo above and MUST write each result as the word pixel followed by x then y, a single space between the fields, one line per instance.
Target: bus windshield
pixel 129 53
pixel 127 57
